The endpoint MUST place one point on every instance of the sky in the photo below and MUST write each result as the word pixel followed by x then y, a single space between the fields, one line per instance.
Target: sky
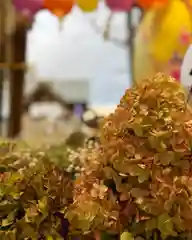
pixel 76 51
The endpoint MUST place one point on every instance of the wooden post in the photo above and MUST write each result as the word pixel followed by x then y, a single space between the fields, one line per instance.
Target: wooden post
pixel 2 56
pixel 17 81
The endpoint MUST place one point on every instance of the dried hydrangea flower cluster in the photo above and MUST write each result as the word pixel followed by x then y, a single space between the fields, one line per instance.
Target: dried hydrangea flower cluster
pixel 34 192
pixel 78 157
pixel 140 177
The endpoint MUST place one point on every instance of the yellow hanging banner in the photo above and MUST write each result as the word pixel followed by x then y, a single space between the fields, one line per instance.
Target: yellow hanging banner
pixel 161 40
pixel 174 26
pixel 87 5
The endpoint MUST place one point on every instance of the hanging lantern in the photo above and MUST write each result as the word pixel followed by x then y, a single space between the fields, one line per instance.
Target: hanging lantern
pixel 87 5
pixel 28 8
pixel 59 8
pixel 120 5
pixel 146 4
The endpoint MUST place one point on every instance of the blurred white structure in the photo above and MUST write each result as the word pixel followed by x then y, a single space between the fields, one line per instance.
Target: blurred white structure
pixel 51 111
pixel 79 52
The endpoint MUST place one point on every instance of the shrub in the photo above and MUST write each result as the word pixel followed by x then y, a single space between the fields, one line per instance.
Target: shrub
pixel 34 194
pixel 140 177
pixel 76 140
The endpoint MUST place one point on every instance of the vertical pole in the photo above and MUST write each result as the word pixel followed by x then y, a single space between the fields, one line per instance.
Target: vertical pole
pixel 131 30
pixel 131 44
pixel 17 82
pixel 2 57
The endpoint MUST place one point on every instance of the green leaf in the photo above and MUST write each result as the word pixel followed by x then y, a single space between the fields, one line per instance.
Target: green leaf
pixel 151 208
pixel 6 207
pixel 9 235
pixel 106 236
pixel 49 238
pixel 151 224
pixel 16 176
pixel 42 204
pixel 3 168
pixel 157 144
pixel 5 223
pixel 143 177
pixel 16 195
pixel 139 193
pixel 138 130
pixel 28 231
pixel 166 158
pixel 2 190
pixel 84 225
pixel 179 223
pixel 126 236
pixel 142 174
pixel 165 225
pixel 9 220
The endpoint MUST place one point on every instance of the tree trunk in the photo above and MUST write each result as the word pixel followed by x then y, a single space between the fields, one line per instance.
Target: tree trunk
pixel 2 56
pixel 17 78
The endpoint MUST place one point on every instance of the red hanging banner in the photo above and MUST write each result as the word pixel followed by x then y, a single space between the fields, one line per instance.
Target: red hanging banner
pixel 120 5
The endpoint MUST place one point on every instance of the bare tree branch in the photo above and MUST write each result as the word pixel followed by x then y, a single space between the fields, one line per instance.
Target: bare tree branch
pixel 106 32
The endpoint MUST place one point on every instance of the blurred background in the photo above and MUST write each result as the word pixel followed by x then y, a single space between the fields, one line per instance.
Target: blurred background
pixel 65 64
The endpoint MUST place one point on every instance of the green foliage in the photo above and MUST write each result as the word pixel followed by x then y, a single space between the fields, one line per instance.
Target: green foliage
pixel 139 178
pixel 34 193
pixel 76 139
